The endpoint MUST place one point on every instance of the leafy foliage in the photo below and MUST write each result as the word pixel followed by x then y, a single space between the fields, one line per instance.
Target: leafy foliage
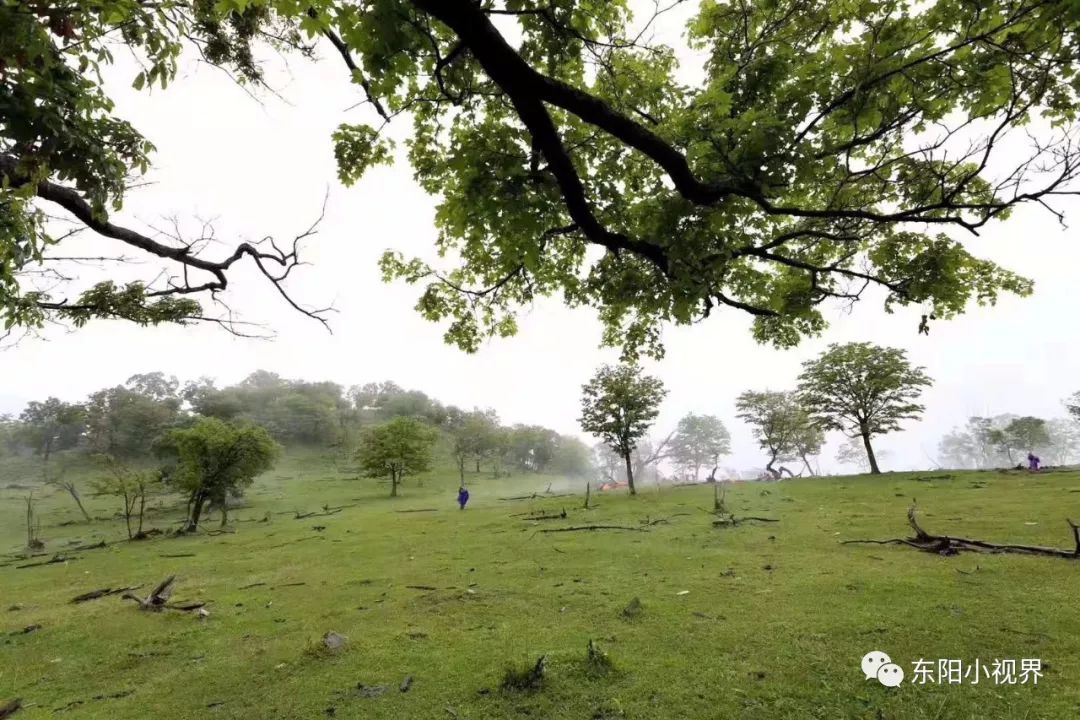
pixel 699 440
pixel 820 152
pixel 781 426
pixel 862 390
pixel 51 425
pixel 216 460
pixel 400 447
pixel 618 406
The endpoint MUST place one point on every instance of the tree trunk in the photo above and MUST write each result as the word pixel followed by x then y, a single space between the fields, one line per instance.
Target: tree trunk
pixel 78 501
pixel 477 464
pixel 142 507
pixel 874 469
pixel 393 483
pixel 807 464
pixel 629 473
pixel 224 514
pixel 769 468
pixel 129 506
pixel 197 503
pixel 461 470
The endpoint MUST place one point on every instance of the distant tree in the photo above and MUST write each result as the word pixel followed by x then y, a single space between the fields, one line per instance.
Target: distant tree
pixel 530 448
pixel 609 465
pixel 154 385
pixel 853 453
pixel 131 487
pixel 618 405
pixel 472 438
pixel 216 460
pixel 571 458
pixel 400 447
pixel 778 421
pixel 700 440
pixel 957 449
pixel 1025 435
pixel 207 400
pixel 862 390
pixel 1072 404
pixel 989 439
pixel 807 440
pixel 648 455
pixel 1064 445
pixel 52 425
pixel 125 422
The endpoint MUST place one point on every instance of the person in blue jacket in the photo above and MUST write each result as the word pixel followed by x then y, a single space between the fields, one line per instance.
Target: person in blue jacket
pixel 462 496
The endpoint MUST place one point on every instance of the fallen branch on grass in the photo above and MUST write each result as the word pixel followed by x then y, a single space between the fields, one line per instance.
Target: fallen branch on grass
pixel 51 561
pixel 537 496
pixel 420 510
pixel 733 521
pixel 95 546
pixel 158 599
pixel 302 516
pixel 948 545
pixel 103 592
pixel 544 516
pixel 593 527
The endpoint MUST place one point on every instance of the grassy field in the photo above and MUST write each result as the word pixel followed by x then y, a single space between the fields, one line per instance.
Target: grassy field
pixel 756 621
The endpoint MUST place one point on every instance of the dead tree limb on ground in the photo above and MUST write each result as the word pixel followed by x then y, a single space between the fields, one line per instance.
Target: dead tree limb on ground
pixel 302 516
pixel 51 561
pixel 733 521
pixel 158 599
pixel 544 516
pixel 103 592
pixel 949 545
pixel 593 527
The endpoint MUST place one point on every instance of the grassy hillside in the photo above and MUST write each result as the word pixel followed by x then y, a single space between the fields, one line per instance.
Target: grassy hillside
pixel 756 621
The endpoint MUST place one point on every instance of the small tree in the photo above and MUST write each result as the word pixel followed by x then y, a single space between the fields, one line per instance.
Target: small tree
pixel 618 405
pixel 52 425
pixel 395 449
pixel 216 460
pixel 778 422
pixel 1026 434
pixel 807 440
pixel 1072 404
pixel 132 487
pixel 863 390
pixel 55 474
pixel 700 440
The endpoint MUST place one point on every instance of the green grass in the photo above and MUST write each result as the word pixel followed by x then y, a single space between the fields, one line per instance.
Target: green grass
pixel 744 642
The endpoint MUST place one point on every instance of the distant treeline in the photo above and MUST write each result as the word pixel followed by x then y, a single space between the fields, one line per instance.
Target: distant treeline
pixel 126 421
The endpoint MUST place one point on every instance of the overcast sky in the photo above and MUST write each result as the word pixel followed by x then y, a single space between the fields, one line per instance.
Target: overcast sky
pixel 264 170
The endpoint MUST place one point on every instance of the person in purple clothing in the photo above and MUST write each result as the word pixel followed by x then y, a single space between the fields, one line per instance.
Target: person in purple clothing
pixel 1033 462
pixel 462 496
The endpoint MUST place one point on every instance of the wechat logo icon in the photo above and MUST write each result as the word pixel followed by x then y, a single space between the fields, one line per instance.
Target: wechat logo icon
pixel 877 665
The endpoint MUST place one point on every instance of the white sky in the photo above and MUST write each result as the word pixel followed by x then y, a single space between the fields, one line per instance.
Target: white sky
pixel 263 170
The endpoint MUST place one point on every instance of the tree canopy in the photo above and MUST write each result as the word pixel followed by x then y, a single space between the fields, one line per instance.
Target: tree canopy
pixel 863 390
pixel 781 426
pixel 395 449
pixel 699 440
pixel 618 405
pixel 51 425
pixel 216 460
pixel 818 149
